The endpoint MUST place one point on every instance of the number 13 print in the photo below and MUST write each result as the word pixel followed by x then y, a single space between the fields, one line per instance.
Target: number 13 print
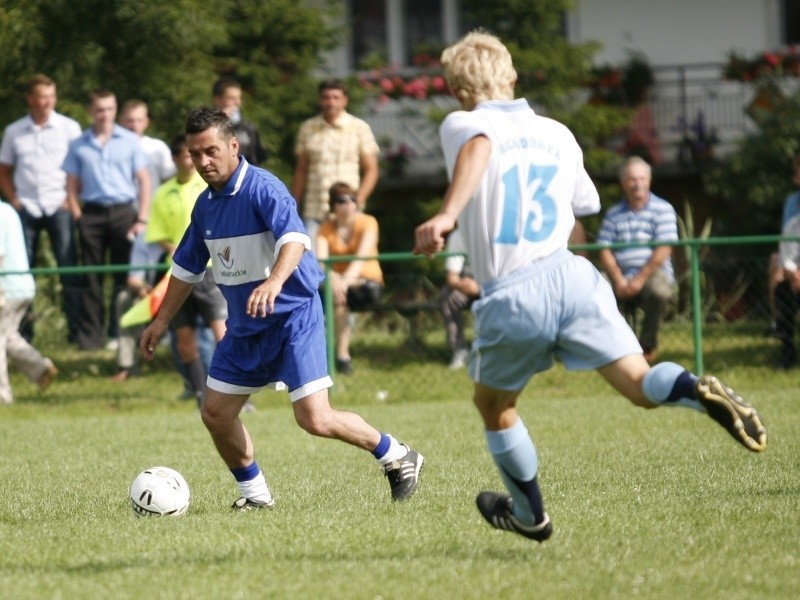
pixel 541 215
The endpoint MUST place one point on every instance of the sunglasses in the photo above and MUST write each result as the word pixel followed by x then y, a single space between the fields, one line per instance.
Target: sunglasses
pixel 344 199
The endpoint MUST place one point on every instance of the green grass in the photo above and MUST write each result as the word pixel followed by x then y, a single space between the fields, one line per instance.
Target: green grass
pixel 652 504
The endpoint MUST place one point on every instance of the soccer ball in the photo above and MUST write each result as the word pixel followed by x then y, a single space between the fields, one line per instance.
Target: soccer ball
pixel 159 491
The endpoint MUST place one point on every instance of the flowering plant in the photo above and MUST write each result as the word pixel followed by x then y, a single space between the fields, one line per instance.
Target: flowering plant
pixel 624 85
pixel 779 63
pixel 698 140
pixel 397 157
pixel 419 83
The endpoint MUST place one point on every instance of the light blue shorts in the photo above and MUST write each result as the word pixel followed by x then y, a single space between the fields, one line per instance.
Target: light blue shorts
pixel 557 307
pixel 289 353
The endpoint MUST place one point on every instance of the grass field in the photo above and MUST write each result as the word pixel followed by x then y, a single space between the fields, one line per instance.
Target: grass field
pixel 651 504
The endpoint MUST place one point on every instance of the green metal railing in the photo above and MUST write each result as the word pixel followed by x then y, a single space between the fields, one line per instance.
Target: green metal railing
pixel 694 268
pixel 693 245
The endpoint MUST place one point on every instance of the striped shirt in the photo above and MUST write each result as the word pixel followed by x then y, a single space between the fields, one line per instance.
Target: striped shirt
pixel 334 155
pixel 655 221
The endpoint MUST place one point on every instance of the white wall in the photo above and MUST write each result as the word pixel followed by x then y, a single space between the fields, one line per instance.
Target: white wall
pixel 676 31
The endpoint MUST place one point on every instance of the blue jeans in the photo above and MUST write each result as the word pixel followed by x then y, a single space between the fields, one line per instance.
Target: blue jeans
pixel 61 231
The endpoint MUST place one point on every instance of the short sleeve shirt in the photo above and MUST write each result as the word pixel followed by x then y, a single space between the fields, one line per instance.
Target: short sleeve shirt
pixel 171 210
pixel 371 269
pixel 534 185
pixel 107 173
pixel 36 152
pixel 334 155
pixel 242 229
pixel 656 221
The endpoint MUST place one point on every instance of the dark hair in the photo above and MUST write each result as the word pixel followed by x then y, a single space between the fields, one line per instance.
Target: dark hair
pixel 206 117
pixel 223 83
pixel 337 190
pixel 100 94
pixel 332 84
pixel 177 144
pixel 37 80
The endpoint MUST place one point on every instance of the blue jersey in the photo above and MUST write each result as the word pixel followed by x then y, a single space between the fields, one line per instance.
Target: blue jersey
pixel 242 229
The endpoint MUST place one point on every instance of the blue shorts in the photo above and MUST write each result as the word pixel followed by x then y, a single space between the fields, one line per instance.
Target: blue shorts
pixel 290 352
pixel 557 307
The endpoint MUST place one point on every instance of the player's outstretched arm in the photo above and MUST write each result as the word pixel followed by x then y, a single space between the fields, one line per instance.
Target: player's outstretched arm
pixel 471 164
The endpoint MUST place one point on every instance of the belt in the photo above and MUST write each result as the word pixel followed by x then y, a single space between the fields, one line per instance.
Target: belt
pixel 105 204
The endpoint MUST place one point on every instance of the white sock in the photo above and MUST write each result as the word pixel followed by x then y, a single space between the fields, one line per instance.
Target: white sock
pixel 255 489
pixel 396 451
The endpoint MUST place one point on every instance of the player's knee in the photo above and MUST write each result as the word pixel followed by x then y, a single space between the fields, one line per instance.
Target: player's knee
pixel 316 422
pixel 213 416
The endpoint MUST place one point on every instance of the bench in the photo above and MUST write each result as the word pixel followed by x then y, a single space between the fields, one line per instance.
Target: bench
pixel 419 296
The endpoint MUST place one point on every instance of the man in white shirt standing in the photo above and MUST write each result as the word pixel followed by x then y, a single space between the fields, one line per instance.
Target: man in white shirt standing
pixel 32 181
pixel 136 119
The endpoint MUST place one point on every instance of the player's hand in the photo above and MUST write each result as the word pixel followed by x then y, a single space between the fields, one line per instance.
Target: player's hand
pixel 429 237
pixel 262 299
pixel 150 337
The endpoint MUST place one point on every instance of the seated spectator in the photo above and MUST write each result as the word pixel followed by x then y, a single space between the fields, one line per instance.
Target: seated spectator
pixel 791 208
pixel 139 284
pixel 357 283
pixel 641 276
pixel 787 294
pixel 461 290
pixel 169 218
pixel 458 293
pixel 16 294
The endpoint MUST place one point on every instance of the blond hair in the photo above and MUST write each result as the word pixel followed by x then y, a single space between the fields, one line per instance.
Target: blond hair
pixel 479 67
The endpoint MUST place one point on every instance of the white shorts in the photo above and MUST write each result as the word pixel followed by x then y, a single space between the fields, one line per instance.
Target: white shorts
pixel 557 307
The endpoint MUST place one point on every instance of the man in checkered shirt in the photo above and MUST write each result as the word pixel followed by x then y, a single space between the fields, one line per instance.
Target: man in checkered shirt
pixel 331 147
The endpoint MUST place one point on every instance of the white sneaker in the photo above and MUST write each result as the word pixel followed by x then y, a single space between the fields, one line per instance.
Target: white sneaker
pixel 460 358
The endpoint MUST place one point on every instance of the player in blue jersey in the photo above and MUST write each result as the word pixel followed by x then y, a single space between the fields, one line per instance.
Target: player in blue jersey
pixel 246 222
pixel 517 182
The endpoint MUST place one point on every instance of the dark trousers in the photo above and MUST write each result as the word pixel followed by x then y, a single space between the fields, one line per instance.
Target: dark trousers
pixel 61 231
pixel 786 302
pixel 102 230
pixel 452 304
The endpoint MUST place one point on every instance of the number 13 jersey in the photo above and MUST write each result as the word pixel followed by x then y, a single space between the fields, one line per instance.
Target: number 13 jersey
pixel 525 206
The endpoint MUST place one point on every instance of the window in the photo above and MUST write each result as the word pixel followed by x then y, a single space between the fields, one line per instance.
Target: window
pixel 791 21
pixel 368 18
pixel 423 29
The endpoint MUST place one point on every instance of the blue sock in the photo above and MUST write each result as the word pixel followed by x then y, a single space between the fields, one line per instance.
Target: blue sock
pixel 246 473
pixel 669 384
pixel 515 456
pixel 382 447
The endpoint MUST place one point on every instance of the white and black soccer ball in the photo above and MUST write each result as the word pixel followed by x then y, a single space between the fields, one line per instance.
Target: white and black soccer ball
pixel 159 491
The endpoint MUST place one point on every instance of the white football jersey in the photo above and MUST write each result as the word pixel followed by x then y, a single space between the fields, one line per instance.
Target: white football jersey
pixel 535 184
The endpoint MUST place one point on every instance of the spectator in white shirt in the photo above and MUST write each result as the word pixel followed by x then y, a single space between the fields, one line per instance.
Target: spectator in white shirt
pixel 32 181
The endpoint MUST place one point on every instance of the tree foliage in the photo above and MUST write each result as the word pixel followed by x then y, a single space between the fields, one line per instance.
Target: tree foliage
pixel 169 54
pixel 757 177
pixel 552 73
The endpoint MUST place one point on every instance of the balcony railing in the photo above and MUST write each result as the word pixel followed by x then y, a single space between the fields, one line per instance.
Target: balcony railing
pixel 681 95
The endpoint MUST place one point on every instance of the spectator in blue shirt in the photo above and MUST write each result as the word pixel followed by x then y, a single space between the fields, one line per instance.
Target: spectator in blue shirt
pixel 641 276
pixel 791 208
pixel 108 190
